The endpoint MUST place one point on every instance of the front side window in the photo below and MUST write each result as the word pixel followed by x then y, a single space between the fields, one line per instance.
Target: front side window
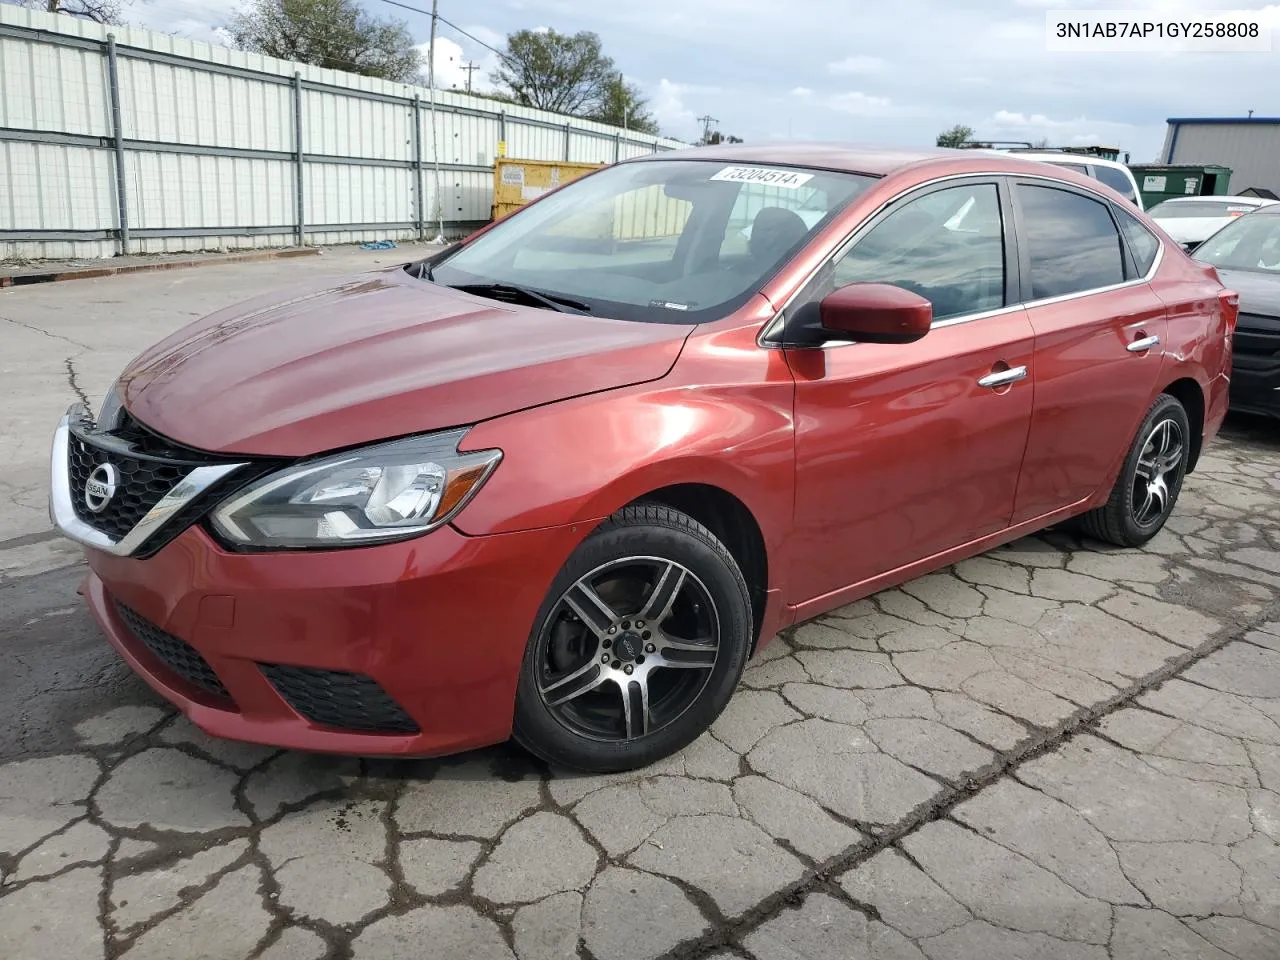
pixel 1250 243
pixel 1117 181
pixel 1072 242
pixel 676 241
pixel 947 246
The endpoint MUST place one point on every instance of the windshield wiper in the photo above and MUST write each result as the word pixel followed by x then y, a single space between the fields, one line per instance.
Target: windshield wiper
pixel 552 301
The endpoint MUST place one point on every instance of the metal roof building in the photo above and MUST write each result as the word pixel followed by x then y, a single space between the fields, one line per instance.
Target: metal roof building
pixel 1250 146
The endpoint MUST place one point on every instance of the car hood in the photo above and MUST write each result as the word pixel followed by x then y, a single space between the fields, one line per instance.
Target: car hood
pixel 1191 229
pixel 376 356
pixel 1259 292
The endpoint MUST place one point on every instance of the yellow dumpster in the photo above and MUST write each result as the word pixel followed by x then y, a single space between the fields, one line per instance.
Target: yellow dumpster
pixel 516 182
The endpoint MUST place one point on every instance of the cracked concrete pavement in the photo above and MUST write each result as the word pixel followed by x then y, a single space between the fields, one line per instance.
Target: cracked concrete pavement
pixel 1056 750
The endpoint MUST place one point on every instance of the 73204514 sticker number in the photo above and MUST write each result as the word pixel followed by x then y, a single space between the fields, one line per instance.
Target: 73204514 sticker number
pixel 787 179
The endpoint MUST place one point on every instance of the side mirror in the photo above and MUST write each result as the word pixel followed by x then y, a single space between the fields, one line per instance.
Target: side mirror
pixel 863 313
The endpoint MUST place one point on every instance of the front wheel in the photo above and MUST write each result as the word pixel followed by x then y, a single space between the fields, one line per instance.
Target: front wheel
pixel 1149 482
pixel 638 645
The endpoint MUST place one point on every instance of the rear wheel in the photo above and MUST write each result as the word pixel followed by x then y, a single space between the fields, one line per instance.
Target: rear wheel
pixel 638 645
pixel 1149 482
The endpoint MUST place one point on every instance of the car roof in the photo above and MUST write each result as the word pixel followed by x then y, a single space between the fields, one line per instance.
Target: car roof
pixel 844 157
pixel 1063 156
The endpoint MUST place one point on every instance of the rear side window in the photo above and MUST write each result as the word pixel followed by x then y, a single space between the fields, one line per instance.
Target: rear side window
pixel 1072 242
pixel 1142 242
pixel 1116 180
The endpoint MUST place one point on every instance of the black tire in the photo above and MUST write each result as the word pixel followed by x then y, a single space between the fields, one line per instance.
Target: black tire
pixel 1127 519
pixel 579 731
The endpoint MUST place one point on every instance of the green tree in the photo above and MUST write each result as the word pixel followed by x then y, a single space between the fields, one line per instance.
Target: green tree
pixel 99 11
pixel 555 71
pixel 713 137
pixel 624 106
pixel 338 34
pixel 956 136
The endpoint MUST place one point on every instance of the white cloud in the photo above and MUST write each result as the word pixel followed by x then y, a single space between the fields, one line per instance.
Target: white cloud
pixel 670 109
pixel 191 19
pixel 451 62
pixel 859 104
pixel 1010 118
pixel 802 92
pixel 857 64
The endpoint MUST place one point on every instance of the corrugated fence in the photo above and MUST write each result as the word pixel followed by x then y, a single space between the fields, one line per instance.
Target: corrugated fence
pixel 138 142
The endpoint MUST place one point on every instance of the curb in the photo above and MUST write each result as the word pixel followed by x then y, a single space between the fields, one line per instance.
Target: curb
pixel 90 273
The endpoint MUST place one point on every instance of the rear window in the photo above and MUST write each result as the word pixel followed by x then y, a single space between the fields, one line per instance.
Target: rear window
pixel 1190 209
pixel 1116 180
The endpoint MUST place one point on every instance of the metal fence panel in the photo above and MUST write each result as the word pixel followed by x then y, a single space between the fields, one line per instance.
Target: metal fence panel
pixel 66 187
pixel 206 154
pixel 346 193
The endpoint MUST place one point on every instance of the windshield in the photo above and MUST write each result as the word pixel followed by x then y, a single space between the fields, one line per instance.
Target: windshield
pixel 676 241
pixel 1187 209
pixel 1250 243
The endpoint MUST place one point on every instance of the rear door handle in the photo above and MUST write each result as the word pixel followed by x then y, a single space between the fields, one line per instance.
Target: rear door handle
pixel 1002 378
pixel 1146 343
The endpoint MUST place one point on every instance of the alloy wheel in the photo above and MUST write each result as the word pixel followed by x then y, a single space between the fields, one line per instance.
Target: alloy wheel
pixel 628 648
pixel 1157 472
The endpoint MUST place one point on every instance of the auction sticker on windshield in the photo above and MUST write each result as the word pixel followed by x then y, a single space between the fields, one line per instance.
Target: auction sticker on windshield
pixel 787 179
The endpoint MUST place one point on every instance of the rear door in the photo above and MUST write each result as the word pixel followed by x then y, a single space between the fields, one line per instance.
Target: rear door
pixel 906 450
pixel 1099 340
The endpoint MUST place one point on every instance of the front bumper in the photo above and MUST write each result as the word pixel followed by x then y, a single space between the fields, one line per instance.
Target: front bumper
pixel 438 624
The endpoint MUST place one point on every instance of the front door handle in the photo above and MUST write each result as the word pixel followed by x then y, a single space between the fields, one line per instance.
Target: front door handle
pixel 1146 343
pixel 1002 378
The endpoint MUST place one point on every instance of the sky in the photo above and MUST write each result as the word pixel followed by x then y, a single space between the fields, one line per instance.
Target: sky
pixel 894 73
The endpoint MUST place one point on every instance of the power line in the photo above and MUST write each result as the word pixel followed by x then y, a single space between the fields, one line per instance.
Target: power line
pixel 448 23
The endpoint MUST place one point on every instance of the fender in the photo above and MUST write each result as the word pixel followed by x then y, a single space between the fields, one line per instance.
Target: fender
pixel 723 417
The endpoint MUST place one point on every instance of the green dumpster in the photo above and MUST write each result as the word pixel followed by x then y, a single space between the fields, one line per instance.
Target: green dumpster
pixel 1158 182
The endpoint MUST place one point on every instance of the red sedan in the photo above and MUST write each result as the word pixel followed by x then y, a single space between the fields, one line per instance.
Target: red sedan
pixel 559 481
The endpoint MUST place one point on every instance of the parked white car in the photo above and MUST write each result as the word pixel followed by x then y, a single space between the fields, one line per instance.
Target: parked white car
pixel 1192 220
pixel 1111 172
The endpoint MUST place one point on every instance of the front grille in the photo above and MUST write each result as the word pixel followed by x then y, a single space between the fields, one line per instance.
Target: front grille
pixel 334 698
pixel 148 467
pixel 142 484
pixel 176 654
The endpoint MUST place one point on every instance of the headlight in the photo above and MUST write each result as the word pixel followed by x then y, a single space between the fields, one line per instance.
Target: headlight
pixel 389 491
pixel 112 407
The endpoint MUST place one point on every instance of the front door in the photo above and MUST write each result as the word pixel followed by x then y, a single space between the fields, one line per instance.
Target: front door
pixel 904 451
pixel 1099 332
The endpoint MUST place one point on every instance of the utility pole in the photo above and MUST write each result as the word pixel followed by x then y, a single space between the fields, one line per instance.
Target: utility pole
pixel 471 66
pixel 706 122
pixel 435 144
